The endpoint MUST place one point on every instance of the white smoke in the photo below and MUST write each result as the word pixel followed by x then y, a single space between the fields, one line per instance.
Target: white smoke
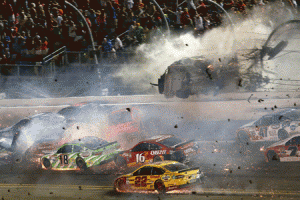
pixel 249 33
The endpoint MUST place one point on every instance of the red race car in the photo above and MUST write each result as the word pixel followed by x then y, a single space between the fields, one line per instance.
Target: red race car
pixel 158 148
pixel 287 150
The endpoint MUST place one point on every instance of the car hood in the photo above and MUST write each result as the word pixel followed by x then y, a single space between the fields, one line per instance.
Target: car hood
pixel 282 142
pixel 251 124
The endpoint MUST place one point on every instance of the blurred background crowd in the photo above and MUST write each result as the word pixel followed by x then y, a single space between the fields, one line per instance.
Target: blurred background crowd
pixel 31 29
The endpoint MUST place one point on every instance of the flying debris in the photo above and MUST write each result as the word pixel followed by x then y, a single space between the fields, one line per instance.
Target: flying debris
pixel 247 69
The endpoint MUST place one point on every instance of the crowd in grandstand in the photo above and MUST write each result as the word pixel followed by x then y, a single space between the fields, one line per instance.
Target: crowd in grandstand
pixel 29 29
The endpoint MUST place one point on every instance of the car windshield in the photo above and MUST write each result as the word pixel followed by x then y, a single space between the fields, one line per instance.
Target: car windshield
pixel 176 167
pixel 170 141
pixel 91 142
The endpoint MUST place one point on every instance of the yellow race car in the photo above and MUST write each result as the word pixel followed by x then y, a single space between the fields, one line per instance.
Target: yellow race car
pixel 160 176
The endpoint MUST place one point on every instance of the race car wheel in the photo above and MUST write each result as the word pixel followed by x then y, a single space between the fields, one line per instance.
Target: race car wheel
pixel 46 163
pixel 183 94
pixel 161 84
pixel 119 185
pixel 243 137
pixel 169 95
pixel 81 163
pixel 272 156
pixel 157 159
pixel 282 134
pixel 178 156
pixel 160 187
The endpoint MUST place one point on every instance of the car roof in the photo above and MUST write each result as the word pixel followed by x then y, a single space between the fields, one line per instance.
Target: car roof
pixel 159 138
pixel 161 163
pixel 282 142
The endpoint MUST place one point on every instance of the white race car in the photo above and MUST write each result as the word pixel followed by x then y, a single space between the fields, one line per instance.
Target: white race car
pixel 273 127
pixel 287 150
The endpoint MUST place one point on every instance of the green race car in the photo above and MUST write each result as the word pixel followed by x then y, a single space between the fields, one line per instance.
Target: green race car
pixel 81 155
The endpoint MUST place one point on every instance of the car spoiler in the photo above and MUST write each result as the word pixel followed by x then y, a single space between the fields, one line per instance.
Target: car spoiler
pixel 182 144
pixel 189 169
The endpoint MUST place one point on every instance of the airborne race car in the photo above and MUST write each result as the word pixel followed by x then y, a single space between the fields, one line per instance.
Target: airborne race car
pixel 77 156
pixel 287 150
pixel 195 75
pixel 162 176
pixel 158 148
pixel 274 127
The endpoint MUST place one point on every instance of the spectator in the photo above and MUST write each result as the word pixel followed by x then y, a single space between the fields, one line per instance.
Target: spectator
pixel 199 24
pixel 72 33
pixel 8 12
pixel 139 33
pixel 178 14
pixel 106 48
pixel 128 42
pixel 44 47
pixel 118 45
pixel 185 18
pixel 32 10
pixel 130 4
pixel 106 45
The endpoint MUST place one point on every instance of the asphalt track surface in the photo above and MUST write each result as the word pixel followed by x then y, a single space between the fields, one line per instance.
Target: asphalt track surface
pixel 230 174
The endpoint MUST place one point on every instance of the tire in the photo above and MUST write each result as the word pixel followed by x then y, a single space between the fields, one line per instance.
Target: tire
pixel 282 134
pixel 81 163
pixel 157 159
pixel 120 162
pixel 119 185
pixel 161 84
pixel 160 187
pixel 178 156
pixel 272 156
pixel 183 94
pixel 47 163
pixel 243 138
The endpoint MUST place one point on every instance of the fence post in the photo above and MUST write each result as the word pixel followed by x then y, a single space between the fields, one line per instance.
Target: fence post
pixel 18 71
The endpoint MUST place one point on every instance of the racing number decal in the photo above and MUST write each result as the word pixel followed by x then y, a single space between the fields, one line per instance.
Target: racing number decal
pixel 63 159
pixel 140 181
pixel 140 158
pixel 294 150
pixel 263 131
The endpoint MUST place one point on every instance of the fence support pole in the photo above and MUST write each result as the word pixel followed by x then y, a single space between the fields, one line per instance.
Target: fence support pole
pixel 87 26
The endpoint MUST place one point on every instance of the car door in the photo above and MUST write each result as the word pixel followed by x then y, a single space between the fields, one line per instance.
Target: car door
pixel 261 127
pixel 292 149
pixel 139 154
pixel 141 178
pixel 156 152
pixel 62 156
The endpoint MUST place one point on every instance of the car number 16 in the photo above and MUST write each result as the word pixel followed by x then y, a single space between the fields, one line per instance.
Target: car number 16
pixel 140 158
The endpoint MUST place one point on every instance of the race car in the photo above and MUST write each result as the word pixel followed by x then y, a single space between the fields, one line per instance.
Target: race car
pixel 161 177
pixel 274 127
pixel 77 156
pixel 158 148
pixel 195 75
pixel 287 150
pixel 116 123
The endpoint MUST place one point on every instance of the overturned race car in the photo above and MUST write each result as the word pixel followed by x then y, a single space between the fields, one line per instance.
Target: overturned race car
pixel 197 75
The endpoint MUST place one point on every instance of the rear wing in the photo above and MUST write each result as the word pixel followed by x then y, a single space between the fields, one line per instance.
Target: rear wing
pixel 182 144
